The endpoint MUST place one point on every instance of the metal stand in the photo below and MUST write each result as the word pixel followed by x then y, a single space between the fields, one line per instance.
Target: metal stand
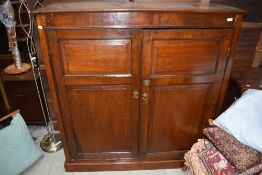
pixel 51 142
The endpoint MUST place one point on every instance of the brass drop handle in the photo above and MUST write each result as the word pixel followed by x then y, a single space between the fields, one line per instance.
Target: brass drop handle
pixel 135 94
pixel 146 82
pixel 145 96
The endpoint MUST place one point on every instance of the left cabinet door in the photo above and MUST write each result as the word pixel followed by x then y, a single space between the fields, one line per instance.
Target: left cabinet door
pixel 96 74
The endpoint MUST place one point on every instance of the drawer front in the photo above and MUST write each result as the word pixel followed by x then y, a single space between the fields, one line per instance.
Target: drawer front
pixel 140 19
pixel 96 56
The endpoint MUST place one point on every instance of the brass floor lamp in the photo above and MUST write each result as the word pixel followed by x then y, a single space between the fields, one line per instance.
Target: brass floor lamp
pixel 51 141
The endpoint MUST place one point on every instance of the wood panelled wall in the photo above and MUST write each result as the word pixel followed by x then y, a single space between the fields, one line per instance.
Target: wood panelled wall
pixel 243 74
pixel 258 55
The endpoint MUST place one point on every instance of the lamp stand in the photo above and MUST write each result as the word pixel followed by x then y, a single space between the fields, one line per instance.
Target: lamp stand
pixel 51 142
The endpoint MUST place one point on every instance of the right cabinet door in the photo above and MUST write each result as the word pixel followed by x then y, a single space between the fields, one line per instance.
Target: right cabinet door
pixel 182 76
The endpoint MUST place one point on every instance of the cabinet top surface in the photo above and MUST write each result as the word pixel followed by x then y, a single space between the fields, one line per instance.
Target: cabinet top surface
pixel 76 6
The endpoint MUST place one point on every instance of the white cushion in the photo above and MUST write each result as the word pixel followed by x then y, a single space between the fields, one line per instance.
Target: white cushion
pixel 243 119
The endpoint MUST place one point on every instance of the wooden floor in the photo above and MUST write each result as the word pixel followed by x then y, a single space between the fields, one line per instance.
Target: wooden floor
pixel 53 163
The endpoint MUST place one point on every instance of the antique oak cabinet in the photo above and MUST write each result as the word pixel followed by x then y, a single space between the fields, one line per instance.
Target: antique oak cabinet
pixel 134 83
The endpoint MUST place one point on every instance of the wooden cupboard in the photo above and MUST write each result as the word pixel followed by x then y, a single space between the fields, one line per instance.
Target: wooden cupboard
pixel 134 83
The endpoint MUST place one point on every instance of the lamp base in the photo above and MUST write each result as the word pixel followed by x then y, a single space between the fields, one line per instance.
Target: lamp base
pixel 11 69
pixel 51 144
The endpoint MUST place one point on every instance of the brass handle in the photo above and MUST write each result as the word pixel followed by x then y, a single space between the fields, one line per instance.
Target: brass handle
pixel 145 96
pixel 135 94
pixel 146 82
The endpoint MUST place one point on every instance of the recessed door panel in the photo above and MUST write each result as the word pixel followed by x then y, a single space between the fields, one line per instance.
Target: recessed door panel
pixel 184 57
pixel 176 116
pixel 102 117
pixel 93 56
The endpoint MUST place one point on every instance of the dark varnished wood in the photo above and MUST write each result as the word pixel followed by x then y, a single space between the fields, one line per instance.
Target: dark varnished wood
pixel 248 40
pixel 170 109
pixel 80 6
pixel 137 19
pixel 231 55
pixel 243 75
pixel 99 99
pixel 98 54
pixel 184 52
pixel 127 14
pixel 22 93
pixel 120 165
pixel 187 61
pixel 104 56
pixel 97 111
pixel 182 91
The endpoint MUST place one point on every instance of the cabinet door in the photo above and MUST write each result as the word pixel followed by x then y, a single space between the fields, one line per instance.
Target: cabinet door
pixel 96 73
pixel 185 69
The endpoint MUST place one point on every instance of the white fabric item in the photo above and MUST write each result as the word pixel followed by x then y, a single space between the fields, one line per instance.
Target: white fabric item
pixel 243 119
pixel 18 151
pixel 7 15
